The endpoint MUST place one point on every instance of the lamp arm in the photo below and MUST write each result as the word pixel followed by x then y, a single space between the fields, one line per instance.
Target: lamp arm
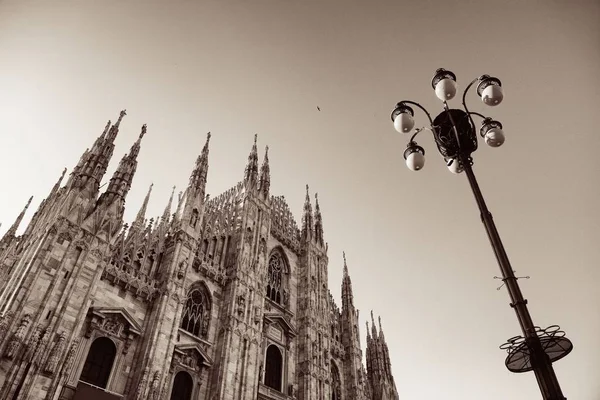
pixel 421 107
pixel 464 97
pixel 412 138
pixel 476 113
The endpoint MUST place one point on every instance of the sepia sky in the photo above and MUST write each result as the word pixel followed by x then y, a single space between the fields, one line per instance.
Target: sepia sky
pixel 417 252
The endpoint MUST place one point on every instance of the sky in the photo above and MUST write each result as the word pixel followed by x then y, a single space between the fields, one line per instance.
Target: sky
pixel 417 252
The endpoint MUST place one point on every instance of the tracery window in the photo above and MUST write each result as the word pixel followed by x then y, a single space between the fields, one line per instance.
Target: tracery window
pixel 273 368
pixel 183 386
pixel 99 362
pixel 196 313
pixel 275 284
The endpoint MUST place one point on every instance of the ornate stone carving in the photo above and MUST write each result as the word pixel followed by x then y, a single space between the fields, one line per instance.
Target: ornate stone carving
pixel 18 337
pixel 4 324
pixel 139 393
pixel 182 268
pixel 70 358
pixel 241 304
pixel 55 354
pixel 112 327
pixel 154 389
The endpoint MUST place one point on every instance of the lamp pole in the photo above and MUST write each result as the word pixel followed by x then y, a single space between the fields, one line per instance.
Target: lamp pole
pixel 454 133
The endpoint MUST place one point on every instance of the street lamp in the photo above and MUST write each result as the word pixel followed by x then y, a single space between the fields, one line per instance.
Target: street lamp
pixel 454 132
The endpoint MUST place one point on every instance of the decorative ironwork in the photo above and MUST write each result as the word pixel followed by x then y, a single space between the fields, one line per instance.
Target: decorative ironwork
pixel 441 74
pixel 486 81
pixel 402 108
pixel 445 137
pixel 456 139
pixel 554 343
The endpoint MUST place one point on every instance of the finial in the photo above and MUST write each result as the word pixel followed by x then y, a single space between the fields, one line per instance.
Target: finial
pixel 380 329
pixel 106 128
pixel 266 150
pixel 122 114
pixel 143 131
pixel 255 138
pixel 344 255
pixel 316 197
pixel 208 136
pixel 372 318
pixel 29 202
pixel 307 190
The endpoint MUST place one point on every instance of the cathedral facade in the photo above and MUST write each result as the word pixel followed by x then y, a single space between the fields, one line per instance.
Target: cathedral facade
pixel 219 298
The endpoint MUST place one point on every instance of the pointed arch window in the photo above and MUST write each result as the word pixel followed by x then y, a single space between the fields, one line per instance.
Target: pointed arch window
pixel 183 386
pixel 336 384
pixel 273 368
pixel 99 362
pixel 194 217
pixel 275 283
pixel 196 313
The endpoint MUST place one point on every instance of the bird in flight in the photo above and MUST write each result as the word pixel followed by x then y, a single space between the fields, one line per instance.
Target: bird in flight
pixel 318 108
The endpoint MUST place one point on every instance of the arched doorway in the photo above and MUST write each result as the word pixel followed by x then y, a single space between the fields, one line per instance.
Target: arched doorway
pixel 273 368
pixel 99 362
pixel 183 385
pixel 336 384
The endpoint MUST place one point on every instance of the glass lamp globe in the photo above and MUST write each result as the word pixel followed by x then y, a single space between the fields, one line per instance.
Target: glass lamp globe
pixel 415 161
pixel 490 90
pixel 454 166
pixel 404 122
pixel 414 156
pixel 494 137
pixel 492 132
pixel 445 89
pixel 492 95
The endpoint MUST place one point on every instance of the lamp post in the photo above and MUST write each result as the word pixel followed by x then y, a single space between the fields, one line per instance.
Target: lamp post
pixel 454 132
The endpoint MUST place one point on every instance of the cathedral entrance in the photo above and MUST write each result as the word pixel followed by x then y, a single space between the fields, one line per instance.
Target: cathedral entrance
pixel 182 386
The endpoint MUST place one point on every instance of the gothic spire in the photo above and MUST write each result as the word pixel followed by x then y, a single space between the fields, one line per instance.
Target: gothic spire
pixel 93 163
pixel 12 231
pixel 57 184
pixel 199 175
pixel 114 130
pixel 347 295
pixel 307 218
pixel 318 222
pixel 167 213
pixel 265 175
pixel 120 182
pixel 141 215
pixel 373 328
pixel 251 171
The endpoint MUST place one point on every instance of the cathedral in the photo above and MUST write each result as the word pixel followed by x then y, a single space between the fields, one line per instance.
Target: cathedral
pixel 219 298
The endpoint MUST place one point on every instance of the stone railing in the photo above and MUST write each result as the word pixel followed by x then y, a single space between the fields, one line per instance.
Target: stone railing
pixel 127 277
pixel 211 270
